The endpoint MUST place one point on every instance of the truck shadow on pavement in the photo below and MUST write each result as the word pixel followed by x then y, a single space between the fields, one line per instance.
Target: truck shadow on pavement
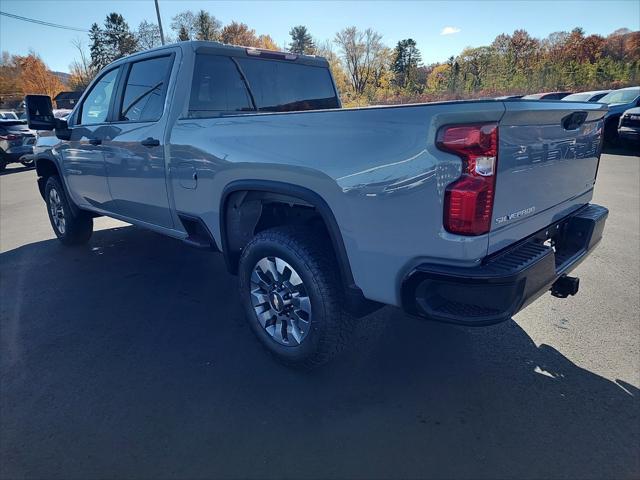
pixel 131 358
pixel 627 150
pixel 13 168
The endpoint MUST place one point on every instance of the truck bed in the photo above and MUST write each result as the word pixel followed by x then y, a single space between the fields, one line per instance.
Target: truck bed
pixel 382 176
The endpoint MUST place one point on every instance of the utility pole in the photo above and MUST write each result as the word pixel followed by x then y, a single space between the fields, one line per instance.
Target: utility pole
pixel 159 22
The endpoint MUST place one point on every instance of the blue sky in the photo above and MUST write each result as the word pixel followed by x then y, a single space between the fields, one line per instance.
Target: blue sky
pixel 467 23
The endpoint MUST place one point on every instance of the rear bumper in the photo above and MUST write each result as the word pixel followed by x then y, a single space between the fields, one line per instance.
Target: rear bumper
pixel 508 280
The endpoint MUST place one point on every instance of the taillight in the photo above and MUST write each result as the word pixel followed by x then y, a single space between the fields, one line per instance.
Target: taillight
pixel 11 136
pixel 468 201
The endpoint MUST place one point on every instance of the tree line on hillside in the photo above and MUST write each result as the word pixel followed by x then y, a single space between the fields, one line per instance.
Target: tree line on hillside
pixel 368 71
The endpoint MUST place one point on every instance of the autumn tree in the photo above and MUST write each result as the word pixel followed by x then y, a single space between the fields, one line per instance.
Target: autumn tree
pixel 267 43
pixel 239 34
pixel 81 70
pixel 35 77
pixel 439 78
pixel 301 41
pixel 184 24
pixel 360 52
pixel 339 75
pixel 9 77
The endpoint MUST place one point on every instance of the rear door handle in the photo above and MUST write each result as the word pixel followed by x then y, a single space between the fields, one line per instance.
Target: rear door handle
pixel 95 141
pixel 150 142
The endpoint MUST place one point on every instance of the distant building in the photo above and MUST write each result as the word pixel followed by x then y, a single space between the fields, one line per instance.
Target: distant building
pixel 67 99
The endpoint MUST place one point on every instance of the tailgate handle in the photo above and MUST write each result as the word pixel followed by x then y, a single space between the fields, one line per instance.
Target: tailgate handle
pixel 574 120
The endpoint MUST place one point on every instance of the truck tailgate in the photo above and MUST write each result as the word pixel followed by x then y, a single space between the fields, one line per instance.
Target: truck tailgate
pixel 547 164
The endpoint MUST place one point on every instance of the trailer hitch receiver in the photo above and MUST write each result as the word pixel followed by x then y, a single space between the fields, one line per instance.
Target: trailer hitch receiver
pixel 565 286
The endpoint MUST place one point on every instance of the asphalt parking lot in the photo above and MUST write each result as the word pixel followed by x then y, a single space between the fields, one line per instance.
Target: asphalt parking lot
pixel 130 358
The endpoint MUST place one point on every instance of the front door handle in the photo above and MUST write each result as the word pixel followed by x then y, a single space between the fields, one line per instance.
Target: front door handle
pixel 95 141
pixel 150 142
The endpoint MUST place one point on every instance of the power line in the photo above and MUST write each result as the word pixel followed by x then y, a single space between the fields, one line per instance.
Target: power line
pixel 41 22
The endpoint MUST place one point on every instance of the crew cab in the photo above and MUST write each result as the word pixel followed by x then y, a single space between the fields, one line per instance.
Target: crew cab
pixel 459 212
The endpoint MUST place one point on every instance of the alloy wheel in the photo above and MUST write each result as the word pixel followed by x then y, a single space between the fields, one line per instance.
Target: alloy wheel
pixel 57 211
pixel 280 301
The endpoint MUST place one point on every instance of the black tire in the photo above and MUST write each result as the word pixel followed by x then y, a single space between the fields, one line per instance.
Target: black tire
pixel 75 228
pixel 330 327
pixel 611 136
pixel 3 165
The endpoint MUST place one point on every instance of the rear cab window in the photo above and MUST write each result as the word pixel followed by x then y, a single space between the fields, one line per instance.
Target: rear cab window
pixel 281 86
pixel 224 84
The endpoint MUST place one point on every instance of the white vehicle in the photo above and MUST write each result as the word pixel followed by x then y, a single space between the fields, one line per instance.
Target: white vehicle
pixel 8 115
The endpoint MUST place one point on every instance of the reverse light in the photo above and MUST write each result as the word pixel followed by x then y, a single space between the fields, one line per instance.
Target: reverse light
pixel 468 201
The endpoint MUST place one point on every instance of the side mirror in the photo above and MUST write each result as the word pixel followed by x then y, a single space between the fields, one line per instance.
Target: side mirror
pixel 40 112
pixel 40 116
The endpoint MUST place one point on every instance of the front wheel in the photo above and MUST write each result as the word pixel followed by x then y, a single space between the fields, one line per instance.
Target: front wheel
pixel 292 296
pixel 70 228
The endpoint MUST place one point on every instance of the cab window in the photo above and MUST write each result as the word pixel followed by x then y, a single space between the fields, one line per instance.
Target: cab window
pixel 145 90
pixel 96 105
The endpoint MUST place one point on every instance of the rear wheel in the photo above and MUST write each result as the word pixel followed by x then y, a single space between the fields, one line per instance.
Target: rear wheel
pixel 292 296
pixel 611 133
pixel 70 228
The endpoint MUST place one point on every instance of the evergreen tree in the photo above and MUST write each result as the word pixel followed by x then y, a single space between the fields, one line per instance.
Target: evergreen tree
pixel 406 59
pixel 99 55
pixel 118 38
pixel 183 34
pixel 207 26
pixel 301 41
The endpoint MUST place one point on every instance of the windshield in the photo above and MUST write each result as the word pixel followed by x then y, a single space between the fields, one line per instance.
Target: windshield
pixel 621 96
pixel 577 97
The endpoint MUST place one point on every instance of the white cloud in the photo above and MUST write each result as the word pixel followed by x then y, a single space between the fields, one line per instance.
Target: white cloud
pixel 449 30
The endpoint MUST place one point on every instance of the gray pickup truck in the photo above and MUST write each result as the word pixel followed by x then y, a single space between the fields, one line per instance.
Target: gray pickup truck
pixel 460 212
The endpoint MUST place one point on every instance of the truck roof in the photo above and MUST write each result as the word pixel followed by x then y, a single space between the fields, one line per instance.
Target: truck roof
pixel 236 51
